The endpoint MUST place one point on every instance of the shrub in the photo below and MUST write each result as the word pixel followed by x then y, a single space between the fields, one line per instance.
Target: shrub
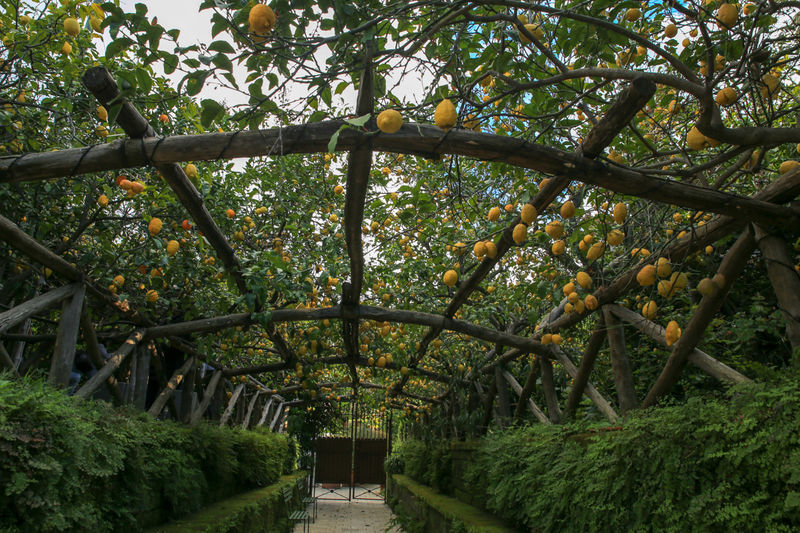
pixel 67 465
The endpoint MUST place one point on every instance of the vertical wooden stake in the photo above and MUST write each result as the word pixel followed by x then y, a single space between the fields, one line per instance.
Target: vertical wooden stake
pixel 549 387
pixel 66 338
pixel 620 364
pixel 142 377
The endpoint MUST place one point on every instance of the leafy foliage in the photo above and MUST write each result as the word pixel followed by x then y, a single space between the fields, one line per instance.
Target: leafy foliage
pixel 716 465
pixel 69 466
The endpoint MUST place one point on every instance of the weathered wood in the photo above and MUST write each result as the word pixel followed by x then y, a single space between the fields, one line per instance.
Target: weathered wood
pixel 503 400
pixel 250 407
pixel 130 373
pixel 187 394
pixel 601 403
pixel 732 265
pixel 208 395
pixel 265 412
pixel 278 415
pixel 142 377
pixel 99 81
pixel 21 241
pixel 785 281
pixel 620 364
pixel 6 360
pixel 169 389
pixel 111 365
pixel 411 139
pixel 537 412
pixel 698 358
pixel 580 380
pixel 19 347
pixel 67 336
pixel 17 314
pixel 231 404
pixel 93 349
pixel 525 392
pixel 549 389
pixel 488 402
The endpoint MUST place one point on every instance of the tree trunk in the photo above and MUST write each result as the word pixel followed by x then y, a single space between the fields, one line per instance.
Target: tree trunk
pixel 620 364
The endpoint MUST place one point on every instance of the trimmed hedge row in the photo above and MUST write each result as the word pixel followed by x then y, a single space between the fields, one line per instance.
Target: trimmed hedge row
pixel 260 510
pixel 67 465
pixel 717 465
pixel 420 509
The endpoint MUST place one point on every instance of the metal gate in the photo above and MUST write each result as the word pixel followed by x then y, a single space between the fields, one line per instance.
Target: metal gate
pixel 354 456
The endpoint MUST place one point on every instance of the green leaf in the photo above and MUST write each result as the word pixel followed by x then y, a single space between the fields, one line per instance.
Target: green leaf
pixel 334 140
pixel 211 109
pixel 358 122
pixel 144 80
pixel 221 46
pixel 117 46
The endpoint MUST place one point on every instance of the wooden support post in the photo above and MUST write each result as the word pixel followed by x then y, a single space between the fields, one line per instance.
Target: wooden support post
pixel 172 384
pixel 488 403
pixel 112 364
pixel 265 413
pixel 732 265
pixel 231 404
pixel 187 394
pixel 620 364
pixel 142 377
pixel 525 393
pixel 67 336
pixel 19 348
pixel 785 281
pixel 503 400
pixel 593 394
pixel 549 388
pixel 698 358
pixel 587 364
pixel 278 415
pixel 93 348
pixel 250 408
pixel 17 314
pixel 537 412
pixel 6 360
pixel 208 395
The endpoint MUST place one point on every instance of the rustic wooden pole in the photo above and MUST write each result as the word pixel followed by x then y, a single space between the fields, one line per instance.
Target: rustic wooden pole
pixel 265 412
pixel 130 386
pixel 602 404
pixel 231 404
pixel 587 364
pixel 525 393
pixel 18 351
pixel 278 415
pixel 19 313
pixel 250 407
pixel 549 388
pixel 503 400
pixel 6 360
pixel 111 365
pixel 93 348
pixel 142 377
pixel 488 404
pixel 208 395
pixel 187 394
pixel 785 281
pixel 67 336
pixel 698 358
pixel 732 265
pixel 620 364
pixel 537 412
pixel 172 384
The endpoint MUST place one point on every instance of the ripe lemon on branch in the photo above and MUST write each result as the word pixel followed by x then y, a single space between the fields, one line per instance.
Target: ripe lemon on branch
pixel 262 20
pixel 389 121
pixel 445 115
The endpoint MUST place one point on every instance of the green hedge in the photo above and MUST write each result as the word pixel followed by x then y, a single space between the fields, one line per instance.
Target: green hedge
pixel 428 463
pixel 67 465
pixel 255 511
pixel 719 465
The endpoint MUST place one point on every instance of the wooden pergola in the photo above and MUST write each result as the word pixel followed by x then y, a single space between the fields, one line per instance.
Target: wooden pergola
pixel 752 219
